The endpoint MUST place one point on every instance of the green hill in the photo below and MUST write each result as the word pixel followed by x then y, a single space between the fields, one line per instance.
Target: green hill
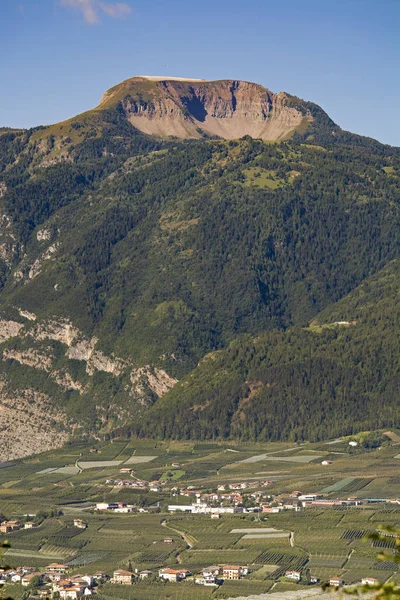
pixel 332 378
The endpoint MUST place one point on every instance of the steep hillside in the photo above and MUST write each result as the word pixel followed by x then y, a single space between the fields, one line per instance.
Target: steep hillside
pixel 126 258
pixel 338 376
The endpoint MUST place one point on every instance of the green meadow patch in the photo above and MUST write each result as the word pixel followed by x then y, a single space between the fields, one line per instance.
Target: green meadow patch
pixel 262 178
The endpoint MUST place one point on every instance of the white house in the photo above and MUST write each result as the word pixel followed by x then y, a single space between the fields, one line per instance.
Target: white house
pixel 211 573
pixel 234 572
pixel 206 582
pixel 310 497
pixel 173 575
pixel 80 524
pixel 336 581
pixel 295 575
pixel 369 581
pixel 145 574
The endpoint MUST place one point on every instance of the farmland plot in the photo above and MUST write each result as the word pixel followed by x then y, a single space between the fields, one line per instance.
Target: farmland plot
pixel 301 459
pixel 257 530
pixel 137 460
pixel 255 536
pixel 99 464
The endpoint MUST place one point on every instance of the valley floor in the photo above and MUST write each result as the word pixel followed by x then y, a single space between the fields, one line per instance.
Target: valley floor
pixel 322 540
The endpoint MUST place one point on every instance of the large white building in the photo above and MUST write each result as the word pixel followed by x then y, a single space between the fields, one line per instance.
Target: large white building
pixel 202 508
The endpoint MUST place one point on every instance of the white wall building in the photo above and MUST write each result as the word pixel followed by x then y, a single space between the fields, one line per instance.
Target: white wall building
pixel 202 508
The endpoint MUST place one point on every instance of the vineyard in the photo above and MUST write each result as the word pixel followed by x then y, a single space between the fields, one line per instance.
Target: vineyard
pixel 156 557
pixel 355 534
pixel 284 561
pixel 327 561
pixel 357 484
pixel 389 543
pixel 385 565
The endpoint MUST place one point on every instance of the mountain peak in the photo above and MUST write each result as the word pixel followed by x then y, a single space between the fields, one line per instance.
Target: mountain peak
pixel 193 108
pixel 167 78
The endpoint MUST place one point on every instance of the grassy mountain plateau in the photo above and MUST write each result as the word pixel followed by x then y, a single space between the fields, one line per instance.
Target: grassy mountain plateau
pixel 197 260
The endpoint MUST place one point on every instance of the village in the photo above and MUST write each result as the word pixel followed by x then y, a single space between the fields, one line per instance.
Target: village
pixel 55 582
pixel 234 498
pixel 181 525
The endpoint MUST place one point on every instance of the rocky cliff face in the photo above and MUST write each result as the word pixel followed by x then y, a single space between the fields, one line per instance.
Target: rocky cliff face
pixel 34 345
pixel 79 348
pixel 29 423
pixel 192 108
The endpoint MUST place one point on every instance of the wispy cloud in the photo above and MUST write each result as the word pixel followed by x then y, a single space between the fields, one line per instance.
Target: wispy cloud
pixel 92 9
pixel 119 10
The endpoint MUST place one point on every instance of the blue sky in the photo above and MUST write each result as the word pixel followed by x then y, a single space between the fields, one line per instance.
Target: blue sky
pixel 59 56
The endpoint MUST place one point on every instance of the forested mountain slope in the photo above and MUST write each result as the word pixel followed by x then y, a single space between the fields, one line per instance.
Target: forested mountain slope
pixel 338 376
pixel 125 259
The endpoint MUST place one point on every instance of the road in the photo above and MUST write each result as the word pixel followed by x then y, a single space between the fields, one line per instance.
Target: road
pixel 189 540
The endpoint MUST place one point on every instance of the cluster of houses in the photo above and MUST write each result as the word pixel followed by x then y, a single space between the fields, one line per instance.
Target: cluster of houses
pixel 297 501
pixel 338 581
pixel 218 503
pixel 210 576
pixel 244 485
pixel 10 526
pixel 220 494
pixel 22 575
pixel 215 575
pixel 232 494
pixel 296 576
pixel 54 580
pixel 228 498
pixel 333 581
pixel 134 484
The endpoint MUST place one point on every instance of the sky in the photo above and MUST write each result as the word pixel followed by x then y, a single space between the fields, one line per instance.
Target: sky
pixel 57 57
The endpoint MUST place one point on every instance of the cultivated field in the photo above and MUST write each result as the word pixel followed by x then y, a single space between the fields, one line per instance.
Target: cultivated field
pixel 65 484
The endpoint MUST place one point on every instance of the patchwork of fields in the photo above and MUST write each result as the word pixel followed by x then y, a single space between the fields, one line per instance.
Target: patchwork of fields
pixel 62 485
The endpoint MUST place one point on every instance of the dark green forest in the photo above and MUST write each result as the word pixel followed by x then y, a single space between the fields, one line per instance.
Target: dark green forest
pixel 338 376
pixel 224 263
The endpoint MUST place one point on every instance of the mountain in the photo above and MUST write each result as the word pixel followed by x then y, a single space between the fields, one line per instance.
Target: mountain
pixel 131 263
pixel 192 108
